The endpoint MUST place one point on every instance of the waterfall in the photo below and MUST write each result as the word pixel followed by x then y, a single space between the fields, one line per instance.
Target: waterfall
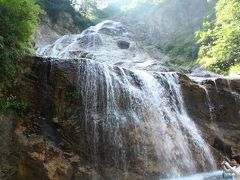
pixel 209 103
pixel 123 107
pixel 132 120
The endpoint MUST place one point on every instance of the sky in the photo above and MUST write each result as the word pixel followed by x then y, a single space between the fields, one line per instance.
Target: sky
pixel 122 3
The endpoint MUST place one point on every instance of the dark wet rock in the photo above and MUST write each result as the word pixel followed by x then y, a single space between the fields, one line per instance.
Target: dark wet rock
pixel 123 44
pixel 224 148
pixel 54 141
pixel 215 109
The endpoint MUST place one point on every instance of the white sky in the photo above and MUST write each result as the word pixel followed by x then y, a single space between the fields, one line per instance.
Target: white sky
pixel 122 3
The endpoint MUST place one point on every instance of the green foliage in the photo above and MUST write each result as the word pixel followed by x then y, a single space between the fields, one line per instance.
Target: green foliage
pixel 220 39
pixel 18 20
pixel 54 8
pixel 182 48
pixel 235 69
pixel 91 9
pixel 84 14
pixel 185 63
pixel 13 105
pixel 110 10
pixel 183 44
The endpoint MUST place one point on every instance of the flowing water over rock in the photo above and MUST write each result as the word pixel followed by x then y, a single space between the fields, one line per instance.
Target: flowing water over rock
pixel 222 97
pixel 133 120
pixel 109 42
pixel 115 98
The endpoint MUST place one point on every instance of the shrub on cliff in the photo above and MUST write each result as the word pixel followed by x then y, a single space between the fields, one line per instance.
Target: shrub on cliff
pixel 18 20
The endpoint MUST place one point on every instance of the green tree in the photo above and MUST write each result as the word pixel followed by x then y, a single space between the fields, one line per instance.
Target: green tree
pixel 183 43
pixel 92 9
pixel 54 9
pixel 220 39
pixel 18 20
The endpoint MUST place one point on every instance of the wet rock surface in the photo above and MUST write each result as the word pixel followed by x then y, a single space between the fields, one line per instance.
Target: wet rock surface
pixel 54 141
pixel 108 42
pixel 123 44
pixel 74 130
pixel 214 104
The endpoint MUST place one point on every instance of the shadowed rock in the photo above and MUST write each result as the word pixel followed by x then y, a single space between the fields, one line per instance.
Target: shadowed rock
pixel 123 44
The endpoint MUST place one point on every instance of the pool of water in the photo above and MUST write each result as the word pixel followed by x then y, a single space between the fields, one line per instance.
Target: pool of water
pixel 216 175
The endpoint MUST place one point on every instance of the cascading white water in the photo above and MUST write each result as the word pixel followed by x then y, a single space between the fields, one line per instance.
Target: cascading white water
pixel 175 129
pixel 153 104
pixel 133 119
pixel 103 44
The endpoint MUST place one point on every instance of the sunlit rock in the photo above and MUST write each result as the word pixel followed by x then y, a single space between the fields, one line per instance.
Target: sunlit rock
pixel 103 42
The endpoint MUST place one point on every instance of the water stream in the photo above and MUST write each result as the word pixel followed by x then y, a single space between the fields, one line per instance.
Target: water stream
pixel 152 103
pixel 132 118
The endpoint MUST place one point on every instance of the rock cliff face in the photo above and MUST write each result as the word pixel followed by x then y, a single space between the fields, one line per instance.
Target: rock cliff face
pixel 108 42
pixel 8 152
pixel 214 104
pixel 47 31
pixel 54 141
pixel 108 111
pixel 156 24
pixel 59 18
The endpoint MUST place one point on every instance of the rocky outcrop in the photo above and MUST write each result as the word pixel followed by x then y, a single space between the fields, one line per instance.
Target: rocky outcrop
pixel 123 44
pixel 214 105
pixel 108 42
pixel 48 31
pixel 59 18
pixel 8 151
pixel 54 140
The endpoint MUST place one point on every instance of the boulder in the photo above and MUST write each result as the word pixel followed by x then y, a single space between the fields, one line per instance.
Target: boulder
pixel 123 44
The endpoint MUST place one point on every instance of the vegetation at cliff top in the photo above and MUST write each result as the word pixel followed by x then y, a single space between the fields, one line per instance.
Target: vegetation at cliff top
pixel 220 39
pixel 216 45
pixel 18 21
pixel 182 48
pixel 55 8
pixel 83 14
